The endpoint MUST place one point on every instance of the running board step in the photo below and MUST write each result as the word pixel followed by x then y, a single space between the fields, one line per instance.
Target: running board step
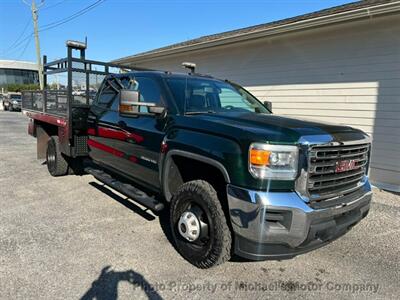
pixel 126 189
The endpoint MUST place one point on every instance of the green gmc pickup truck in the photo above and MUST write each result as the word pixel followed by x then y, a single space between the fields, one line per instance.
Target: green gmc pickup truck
pixel 236 178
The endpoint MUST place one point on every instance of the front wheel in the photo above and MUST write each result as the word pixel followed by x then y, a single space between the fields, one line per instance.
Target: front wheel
pixel 199 226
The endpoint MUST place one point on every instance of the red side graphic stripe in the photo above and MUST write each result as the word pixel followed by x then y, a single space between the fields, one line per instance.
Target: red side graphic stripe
pixel 110 150
pixel 116 134
pixel 136 137
pixel 133 159
pixel 91 131
pixel 105 148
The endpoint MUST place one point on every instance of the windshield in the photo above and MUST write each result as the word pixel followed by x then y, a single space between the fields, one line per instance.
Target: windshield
pixel 15 97
pixel 201 95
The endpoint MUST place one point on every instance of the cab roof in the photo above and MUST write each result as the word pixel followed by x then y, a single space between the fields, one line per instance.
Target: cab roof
pixel 166 74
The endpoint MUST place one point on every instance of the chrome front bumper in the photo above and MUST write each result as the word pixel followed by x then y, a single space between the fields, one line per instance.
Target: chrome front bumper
pixel 15 106
pixel 282 225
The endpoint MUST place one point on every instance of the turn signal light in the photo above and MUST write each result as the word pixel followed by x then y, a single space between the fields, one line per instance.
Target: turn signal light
pixel 278 162
pixel 259 157
pixel 124 108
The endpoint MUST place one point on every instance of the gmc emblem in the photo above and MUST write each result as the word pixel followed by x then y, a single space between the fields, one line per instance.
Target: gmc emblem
pixel 345 165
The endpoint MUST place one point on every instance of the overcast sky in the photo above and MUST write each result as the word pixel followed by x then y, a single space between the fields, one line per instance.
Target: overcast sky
pixel 117 28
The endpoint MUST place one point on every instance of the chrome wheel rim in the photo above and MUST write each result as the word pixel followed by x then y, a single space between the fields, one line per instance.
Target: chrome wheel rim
pixel 189 226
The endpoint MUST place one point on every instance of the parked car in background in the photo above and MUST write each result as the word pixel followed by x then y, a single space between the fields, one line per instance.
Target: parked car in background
pixel 12 102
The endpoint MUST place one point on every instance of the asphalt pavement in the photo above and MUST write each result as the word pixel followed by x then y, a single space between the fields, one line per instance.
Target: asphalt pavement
pixel 72 238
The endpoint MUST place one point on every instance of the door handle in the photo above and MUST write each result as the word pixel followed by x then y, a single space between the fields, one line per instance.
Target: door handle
pixel 122 124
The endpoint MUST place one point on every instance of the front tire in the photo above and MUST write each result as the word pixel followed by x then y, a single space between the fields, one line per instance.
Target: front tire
pixel 56 163
pixel 199 226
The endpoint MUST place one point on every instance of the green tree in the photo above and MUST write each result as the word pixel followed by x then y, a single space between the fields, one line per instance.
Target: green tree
pixel 17 87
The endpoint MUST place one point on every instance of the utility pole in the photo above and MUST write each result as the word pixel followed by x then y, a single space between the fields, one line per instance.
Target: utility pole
pixel 34 10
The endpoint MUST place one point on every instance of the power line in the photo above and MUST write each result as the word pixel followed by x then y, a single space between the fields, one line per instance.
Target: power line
pixel 54 5
pixel 71 17
pixel 21 34
pixel 18 45
pixel 37 6
pixel 26 47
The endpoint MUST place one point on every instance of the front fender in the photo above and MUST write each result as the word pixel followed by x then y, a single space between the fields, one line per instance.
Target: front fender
pixel 220 152
pixel 224 152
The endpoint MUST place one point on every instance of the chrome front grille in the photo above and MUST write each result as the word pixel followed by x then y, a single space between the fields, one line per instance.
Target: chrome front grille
pixel 324 178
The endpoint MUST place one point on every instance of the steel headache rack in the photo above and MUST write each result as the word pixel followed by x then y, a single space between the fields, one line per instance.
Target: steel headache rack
pixel 70 86
pixel 69 82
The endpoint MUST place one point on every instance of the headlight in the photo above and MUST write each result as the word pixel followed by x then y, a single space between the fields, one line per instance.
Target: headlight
pixel 15 102
pixel 273 161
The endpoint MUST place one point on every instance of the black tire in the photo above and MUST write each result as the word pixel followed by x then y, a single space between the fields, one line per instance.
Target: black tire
pixel 212 248
pixel 56 163
pixel 75 166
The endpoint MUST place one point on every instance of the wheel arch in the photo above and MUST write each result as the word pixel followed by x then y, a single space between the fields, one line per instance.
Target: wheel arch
pixel 175 170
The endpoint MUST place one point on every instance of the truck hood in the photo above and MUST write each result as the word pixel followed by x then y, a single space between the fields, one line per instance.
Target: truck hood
pixel 273 128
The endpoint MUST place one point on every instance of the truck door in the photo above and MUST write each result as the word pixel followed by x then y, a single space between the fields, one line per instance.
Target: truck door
pixel 102 128
pixel 143 135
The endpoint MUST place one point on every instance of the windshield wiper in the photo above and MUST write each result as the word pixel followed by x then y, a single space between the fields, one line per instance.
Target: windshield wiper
pixel 200 112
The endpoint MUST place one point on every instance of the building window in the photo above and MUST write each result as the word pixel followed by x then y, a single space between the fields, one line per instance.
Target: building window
pixel 16 76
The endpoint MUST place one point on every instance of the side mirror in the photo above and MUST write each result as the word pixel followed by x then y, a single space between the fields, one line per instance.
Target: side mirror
pixel 129 102
pixel 157 110
pixel 268 105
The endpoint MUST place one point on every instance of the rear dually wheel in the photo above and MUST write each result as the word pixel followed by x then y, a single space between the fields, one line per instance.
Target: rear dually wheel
pixel 56 162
